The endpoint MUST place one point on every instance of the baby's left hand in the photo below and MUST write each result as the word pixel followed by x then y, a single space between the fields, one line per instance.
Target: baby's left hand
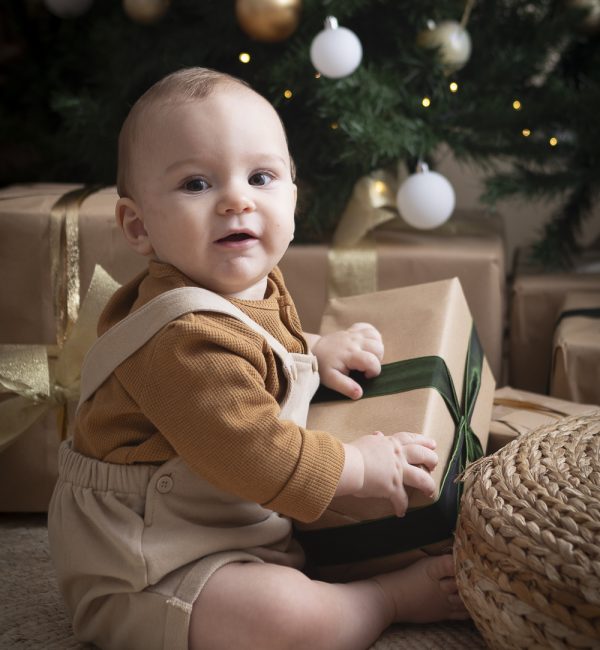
pixel 358 348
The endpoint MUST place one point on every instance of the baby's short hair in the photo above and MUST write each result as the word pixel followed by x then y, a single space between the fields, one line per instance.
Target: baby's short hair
pixel 182 85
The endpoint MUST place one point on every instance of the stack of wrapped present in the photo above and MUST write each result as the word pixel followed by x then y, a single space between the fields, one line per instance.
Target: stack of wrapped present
pixel 60 254
pixel 537 300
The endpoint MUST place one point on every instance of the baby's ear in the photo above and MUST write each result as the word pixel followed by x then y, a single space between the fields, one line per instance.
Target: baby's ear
pixel 129 218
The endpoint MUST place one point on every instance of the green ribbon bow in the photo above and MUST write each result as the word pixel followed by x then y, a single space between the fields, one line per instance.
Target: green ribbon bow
pixel 420 526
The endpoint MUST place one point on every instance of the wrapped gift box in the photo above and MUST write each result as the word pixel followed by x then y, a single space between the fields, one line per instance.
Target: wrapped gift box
pixel 517 412
pixel 31 260
pixel 26 301
pixel 426 329
pixel 535 304
pixel 470 247
pixel 576 358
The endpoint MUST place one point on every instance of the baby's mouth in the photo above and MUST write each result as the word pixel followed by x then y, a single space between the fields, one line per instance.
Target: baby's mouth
pixel 236 237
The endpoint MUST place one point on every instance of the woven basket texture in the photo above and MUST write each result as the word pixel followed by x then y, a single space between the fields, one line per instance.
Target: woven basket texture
pixel 527 547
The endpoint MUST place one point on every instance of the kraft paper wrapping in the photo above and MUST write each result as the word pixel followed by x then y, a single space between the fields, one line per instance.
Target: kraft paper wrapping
pixel 517 412
pixel 36 316
pixel 423 321
pixel 576 358
pixel 536 301
pixel 468 247
pixel 26 301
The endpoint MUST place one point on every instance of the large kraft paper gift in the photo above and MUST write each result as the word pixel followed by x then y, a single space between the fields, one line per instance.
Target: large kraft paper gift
pixel 59 247
pixel 436 381
pixel 517 412
pixel 536 301
pixel 469 246
pixel 576 358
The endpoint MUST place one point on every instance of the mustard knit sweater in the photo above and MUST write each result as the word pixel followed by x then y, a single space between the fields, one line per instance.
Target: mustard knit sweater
pixel 205 388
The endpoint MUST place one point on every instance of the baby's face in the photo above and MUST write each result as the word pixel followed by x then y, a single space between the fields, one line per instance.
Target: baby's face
pixel 212 179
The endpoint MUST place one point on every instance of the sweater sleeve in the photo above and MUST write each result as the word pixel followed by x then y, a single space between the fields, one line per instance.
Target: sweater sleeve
pixel 205 392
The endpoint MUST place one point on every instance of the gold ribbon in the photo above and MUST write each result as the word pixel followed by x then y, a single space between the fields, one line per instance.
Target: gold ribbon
pixel 353 257
pixel 35 378
pixel 64 258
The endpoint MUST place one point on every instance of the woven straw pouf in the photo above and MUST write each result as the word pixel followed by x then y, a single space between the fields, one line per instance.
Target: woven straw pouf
pixel 527 546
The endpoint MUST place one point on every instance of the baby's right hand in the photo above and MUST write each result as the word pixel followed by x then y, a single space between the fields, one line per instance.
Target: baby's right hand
pixel 389 464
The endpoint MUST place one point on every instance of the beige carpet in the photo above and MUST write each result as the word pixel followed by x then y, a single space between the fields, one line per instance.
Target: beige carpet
pixel 32 615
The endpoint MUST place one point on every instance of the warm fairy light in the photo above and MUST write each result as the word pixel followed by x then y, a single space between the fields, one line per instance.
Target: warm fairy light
pixel 317 75
pixel 380 187
pixel 426 102
pixel 553 141
pixel 287 93
pixel 244 57
pixel 453 87
pixel 526 132
pixel 517 105
pixel 334 125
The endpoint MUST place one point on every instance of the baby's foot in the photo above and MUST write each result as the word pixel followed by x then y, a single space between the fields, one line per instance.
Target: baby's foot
pixel 424 592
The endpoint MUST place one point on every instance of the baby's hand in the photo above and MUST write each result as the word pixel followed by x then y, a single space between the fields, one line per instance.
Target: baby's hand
pixel 357 348
pixel 389 464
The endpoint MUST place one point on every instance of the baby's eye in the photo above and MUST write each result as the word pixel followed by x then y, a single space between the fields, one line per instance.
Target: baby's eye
pixel 195 185
pixel 260 178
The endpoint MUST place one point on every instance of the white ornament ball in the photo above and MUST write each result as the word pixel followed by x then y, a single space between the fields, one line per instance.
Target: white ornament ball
pixel 146 11
pixel 426 199
pixel 453 41
pixel 68 8
pixel 335 52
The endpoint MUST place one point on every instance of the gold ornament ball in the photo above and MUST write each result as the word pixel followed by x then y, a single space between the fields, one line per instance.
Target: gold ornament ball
pixel 268 20
pixel 590 23
pixel 146 11
pixel 453 41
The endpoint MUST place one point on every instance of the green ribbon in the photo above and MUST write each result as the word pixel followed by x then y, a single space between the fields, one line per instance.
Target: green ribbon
pixel 586 312
pixel 420 526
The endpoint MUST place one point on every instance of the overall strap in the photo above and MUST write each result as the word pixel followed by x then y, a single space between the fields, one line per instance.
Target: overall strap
pixel 131 333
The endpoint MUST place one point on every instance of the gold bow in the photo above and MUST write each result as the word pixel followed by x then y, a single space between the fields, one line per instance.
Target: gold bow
pixel 37 378
pixel 353 256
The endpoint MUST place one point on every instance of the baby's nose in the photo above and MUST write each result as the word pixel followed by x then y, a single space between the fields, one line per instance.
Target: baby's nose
pixel 235 201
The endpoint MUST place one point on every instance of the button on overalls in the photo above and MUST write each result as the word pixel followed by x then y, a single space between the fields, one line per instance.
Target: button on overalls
pixel 133 545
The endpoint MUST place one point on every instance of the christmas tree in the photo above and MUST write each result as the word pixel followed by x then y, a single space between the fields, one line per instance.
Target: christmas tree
pixel 512 86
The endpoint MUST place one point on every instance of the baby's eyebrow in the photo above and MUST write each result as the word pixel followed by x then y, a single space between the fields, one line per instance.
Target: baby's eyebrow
pixel 270 158
pixel 183 163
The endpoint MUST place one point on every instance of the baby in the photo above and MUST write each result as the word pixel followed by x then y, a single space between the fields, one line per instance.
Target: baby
pixel 170 525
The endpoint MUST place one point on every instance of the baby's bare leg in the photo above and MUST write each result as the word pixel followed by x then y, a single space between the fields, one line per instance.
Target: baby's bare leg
pixel 270 606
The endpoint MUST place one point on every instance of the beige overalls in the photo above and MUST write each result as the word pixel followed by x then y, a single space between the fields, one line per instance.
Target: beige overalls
pixel 133 545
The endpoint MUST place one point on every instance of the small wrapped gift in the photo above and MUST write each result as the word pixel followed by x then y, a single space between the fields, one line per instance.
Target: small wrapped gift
pixel 436 381
pixel 575 372
pixel 536 301
pixel 52 237
pixel 517 412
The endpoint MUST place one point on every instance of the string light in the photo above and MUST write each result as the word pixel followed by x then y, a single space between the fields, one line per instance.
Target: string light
pixel 516 105
pixel 453 87
pixel 317 75
pixel 334 125
pixel 553 141
pixel 426 102
pixel 380 187
pixel 287 93
pixel 244 57
pixel 526 132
